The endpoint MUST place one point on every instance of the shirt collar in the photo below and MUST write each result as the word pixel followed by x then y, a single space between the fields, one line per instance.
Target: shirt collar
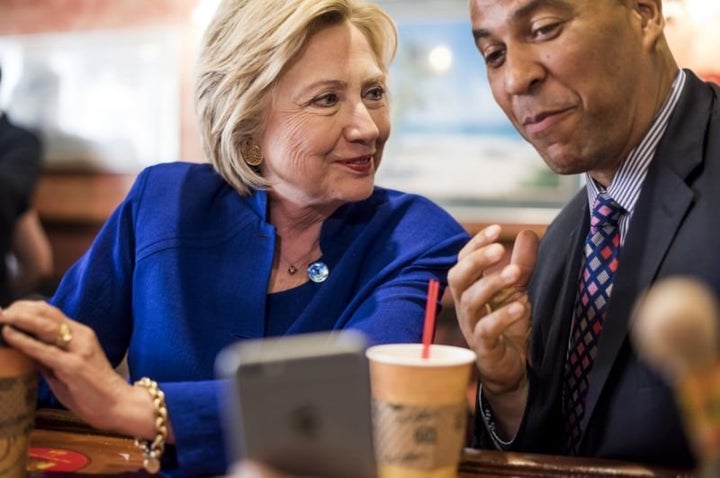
pixel 627 183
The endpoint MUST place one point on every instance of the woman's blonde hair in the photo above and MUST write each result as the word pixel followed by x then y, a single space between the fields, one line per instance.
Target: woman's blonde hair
pixel 246 48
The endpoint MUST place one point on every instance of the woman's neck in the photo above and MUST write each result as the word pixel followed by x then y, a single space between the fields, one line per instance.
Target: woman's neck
pixel 297 244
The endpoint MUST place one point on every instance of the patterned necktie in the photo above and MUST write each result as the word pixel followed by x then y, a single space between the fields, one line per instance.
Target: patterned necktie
pixel 602 246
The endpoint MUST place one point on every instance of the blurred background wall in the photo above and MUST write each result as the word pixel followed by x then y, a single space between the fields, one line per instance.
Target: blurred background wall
pixel 109 84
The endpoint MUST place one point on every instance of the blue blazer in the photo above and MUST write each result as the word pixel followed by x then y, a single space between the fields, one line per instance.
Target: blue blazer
pixel 181 269
pixel 631 413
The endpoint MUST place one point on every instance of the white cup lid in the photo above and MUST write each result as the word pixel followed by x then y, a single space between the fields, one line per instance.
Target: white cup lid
pixel 411 354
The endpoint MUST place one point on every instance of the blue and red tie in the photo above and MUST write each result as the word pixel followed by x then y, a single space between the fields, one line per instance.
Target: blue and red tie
pixel 602 247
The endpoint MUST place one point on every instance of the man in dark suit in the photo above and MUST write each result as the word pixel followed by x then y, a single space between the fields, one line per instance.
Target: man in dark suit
pixel 594 87
pixel 20 166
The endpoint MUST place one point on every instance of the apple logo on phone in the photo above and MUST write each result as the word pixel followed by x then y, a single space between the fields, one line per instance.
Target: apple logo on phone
pixel 305 421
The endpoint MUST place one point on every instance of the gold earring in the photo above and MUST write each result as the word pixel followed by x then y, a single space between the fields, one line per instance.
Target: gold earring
pixel 252 154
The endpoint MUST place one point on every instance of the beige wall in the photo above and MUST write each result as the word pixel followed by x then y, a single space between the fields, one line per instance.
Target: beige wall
pixel 57 16
pixel 693 31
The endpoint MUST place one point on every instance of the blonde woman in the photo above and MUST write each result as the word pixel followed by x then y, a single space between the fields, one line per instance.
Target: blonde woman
pixel 283 233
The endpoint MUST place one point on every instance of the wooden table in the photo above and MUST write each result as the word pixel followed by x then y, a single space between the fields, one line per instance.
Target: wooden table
pixel 63 446
pixel 487 463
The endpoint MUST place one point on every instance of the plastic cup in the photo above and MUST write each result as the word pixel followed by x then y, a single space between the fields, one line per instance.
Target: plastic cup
pixel 18 397
pixel 419 408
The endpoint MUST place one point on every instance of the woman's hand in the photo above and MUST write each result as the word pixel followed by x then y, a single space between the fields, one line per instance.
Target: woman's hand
pixel 76 368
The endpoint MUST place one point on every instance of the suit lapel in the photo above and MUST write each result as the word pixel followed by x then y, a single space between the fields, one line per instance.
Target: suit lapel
pixel 663 203
pixel 561 322
pixel 552 292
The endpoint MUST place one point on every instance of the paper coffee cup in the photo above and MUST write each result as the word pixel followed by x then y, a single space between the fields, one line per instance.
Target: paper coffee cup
pixel 18 397
pixel 419 408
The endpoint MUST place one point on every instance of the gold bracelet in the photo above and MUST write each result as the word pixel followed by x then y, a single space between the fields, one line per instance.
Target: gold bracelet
pixel 153 449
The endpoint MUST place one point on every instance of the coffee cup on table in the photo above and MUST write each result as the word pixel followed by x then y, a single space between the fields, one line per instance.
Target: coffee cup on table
pixel 18 396
pixel 419 408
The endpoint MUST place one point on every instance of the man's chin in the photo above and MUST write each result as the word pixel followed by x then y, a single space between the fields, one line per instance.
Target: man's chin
pixel 564 166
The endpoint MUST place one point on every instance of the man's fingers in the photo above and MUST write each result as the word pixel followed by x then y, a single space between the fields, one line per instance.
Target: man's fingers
pixel 524 256
pixel 490 329
pixel 487 236
pixel 466 273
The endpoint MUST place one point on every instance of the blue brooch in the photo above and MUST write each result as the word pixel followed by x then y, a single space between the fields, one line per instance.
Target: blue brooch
pixel 318 272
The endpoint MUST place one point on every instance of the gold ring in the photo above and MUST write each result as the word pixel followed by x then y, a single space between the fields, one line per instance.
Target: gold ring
pixel 64 336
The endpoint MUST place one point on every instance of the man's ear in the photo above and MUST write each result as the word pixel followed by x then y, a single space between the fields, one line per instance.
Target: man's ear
pixel 652 20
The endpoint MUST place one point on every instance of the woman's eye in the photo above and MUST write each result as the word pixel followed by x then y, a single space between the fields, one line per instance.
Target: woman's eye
pixel 375 93
pixel 328 99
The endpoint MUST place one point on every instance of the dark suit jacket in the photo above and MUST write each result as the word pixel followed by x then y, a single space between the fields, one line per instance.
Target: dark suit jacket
pixel 20 166
pixel 675 229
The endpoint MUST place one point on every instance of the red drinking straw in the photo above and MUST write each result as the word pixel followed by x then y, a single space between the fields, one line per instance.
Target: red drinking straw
pixel 430 308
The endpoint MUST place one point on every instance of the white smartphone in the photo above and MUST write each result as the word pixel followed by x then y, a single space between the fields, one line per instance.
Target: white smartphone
pixel 300 404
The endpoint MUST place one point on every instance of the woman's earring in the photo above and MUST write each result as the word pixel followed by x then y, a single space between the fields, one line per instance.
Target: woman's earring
pixel 252 154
